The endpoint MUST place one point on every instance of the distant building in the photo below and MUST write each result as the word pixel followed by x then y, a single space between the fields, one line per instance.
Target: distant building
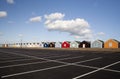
pixel 66 44
pixel 84 44
pixel 45 44
pixel 97 44
pixel 58 45
pixel 17 44
pixel 74 44
pixel 5 45
pixel 112 43
pixel 52 44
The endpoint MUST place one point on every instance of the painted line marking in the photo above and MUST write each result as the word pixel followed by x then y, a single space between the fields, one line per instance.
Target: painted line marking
pixel 70 58
pixel 37 57
pixel 112 70
pixel 33 71
pixel 24 64
pixel 56 67
pixel 89 60
pixel 56 56
pixel 31 63
pixel 10 58
pixel 24 55
pixel 92 67
pixel 103 68
pixel 96 70
pixel 16 60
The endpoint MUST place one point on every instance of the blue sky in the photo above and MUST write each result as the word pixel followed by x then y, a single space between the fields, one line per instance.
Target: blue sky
pixel 59 20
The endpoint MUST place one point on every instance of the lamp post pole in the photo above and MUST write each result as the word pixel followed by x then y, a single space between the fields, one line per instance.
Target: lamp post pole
pixel 20 40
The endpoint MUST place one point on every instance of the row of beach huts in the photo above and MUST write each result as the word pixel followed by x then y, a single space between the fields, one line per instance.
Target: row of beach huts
pixel 111 43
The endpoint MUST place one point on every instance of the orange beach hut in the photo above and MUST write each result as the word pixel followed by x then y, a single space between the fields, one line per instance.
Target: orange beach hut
pixel 112 43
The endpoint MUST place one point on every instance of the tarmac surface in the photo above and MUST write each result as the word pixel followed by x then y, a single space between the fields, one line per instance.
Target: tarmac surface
pixel 58 64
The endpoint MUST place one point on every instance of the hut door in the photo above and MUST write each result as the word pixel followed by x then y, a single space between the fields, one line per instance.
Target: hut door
pixel 73 45
pixel 64 45
pixel 83 45
pixel 110 44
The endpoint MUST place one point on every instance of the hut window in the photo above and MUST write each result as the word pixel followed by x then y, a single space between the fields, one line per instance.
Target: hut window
pixel 73 45
pixel 110 44
pixel 96 44
pixel 83 45
pixel 37 43
pixel 65 45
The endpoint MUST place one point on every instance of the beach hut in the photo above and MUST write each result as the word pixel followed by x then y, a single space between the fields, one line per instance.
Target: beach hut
pixel 17 44
pixel 97 44
pixel 74 44
pixel 40 44
pixel 45 44
pixel 52 44
pixel 29 44
pixel 0 45
pixel 112 43
pixel 84 44
pixel 58 45
pixel 66 44
pixel 11 45
pixel 24 45
pixel 5 45
pixel 36 44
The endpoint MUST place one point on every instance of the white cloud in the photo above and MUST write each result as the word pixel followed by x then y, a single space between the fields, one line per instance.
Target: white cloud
pixel 10 1
pixel 101 34
pixel 35 19
pixel 77 27
pixel 3 14
pixel 54 16
pixel 10 22
pixel 1 33
pixel 20 35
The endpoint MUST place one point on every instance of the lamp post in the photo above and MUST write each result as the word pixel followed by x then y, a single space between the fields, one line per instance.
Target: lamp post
pixel 20 35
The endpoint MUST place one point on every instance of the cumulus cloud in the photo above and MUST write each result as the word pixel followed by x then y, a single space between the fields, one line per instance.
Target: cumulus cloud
pixel 1 33
pixel 3 14
pixel 20 35
pixel 77 27
pixel 10 22
pixel 10 1
pixel 101 34
pixel 35 19
pixel 54 16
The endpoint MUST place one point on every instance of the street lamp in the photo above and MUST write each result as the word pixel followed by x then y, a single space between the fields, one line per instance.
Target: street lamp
pixel 20 35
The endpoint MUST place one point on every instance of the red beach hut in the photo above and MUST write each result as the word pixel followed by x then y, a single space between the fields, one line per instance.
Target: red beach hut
pixel 65 44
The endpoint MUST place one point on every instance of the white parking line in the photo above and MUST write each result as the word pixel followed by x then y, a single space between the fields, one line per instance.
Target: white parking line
pixel 91 67
pixel 19 54
pixel 24 64
pixel 15 60
pixel 5 58
pixel 57 56
pixel 33 71
pixel 96 70
pixel 112 70
pixel 70 58
pixel 89 60
pixel 66 64
pixel 24 55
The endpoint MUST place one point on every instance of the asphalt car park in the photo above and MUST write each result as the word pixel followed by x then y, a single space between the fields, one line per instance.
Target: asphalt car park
pixel 58 64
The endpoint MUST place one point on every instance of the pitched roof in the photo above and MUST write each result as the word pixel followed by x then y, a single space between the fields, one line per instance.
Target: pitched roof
pixel 100 41
pixel 114 40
